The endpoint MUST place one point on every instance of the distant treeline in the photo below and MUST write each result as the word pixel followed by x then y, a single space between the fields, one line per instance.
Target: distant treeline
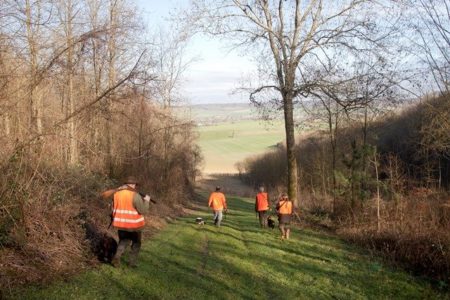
pixel 413 146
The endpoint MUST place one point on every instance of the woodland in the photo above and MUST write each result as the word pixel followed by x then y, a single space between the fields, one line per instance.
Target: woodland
pixel 85 101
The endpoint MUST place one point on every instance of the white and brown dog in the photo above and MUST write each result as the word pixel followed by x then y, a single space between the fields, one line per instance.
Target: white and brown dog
pixel 199 221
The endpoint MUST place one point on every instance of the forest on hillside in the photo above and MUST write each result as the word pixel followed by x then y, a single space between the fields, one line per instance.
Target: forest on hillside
pixel 85 98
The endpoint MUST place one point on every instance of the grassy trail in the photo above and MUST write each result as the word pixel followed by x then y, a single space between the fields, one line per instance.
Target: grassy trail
pixel 240 261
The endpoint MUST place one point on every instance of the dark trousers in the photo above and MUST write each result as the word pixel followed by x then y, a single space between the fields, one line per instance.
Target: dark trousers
pixel 262 218
pixel 125 238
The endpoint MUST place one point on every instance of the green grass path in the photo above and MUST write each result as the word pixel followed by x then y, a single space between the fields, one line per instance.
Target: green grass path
pixel 240 261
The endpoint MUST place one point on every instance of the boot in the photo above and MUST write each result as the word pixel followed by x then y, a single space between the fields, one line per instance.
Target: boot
pixel 135 248
pixel 115 262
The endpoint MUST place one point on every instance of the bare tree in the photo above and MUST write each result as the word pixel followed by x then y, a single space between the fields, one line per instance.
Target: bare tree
pixel 430 41
pixel 171 60
pixel 67 13
pixel 295 37
pixel 431 22
pixel 35 17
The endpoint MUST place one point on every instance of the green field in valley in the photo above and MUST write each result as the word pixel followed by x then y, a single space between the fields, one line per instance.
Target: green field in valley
pixel 225 144
pixel 240 261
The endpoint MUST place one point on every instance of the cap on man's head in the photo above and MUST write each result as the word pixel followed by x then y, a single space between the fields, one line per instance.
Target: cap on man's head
pixel 218 188
pixel 131 180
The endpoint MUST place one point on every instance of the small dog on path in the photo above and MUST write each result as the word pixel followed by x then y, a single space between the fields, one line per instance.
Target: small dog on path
pixel 199 221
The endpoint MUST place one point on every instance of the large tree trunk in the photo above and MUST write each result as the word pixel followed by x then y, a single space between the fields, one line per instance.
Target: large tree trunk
pixel 290 148
pixel 73 145
pixel 111 81
pixel 35 125
pixel 333 136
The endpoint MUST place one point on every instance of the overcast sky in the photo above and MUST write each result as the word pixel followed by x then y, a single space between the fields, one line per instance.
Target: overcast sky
pixel 218 71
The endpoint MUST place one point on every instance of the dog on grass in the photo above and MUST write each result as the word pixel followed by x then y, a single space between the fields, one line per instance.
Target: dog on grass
pixel 101 243
pixel 199 221
pixel 108 248
pixel 271 222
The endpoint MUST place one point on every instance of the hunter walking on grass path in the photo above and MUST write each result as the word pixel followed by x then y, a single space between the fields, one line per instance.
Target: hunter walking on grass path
pixel 127 216
pixel 218 204
pixel 285 208
pixel 262 206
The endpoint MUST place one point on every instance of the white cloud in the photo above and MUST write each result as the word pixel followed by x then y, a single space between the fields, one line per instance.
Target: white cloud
pixel 217 72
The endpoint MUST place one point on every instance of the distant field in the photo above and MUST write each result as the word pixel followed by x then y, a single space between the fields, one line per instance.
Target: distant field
pixel 225 144
pixel 209 114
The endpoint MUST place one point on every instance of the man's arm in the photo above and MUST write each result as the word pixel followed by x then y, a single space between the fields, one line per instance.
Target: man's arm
pixel 224 201
pixel 141 204
pixel 108 193
pixel 210 200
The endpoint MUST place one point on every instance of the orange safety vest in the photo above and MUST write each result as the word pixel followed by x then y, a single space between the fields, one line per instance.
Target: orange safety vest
pixel 261 202
pixel 285 207
pixel 217 201
pixel 125 216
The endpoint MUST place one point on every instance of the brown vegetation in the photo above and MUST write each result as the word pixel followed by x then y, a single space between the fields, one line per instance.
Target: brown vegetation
pixel 391 194
pixel 79 112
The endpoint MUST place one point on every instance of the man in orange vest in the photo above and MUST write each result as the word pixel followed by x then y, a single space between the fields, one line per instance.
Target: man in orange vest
pixel 285 209
pixel 127 216
pixel 218 203
pixel 262 206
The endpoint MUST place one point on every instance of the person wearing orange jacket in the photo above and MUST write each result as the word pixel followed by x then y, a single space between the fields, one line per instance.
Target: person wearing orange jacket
pixel 262 206
pixel 285 209
pixel 127 217
pixel 218 204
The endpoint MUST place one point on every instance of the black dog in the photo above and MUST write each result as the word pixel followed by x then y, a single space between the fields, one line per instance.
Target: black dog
pixel 108 248
pixel 101 243
pixel 271 222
